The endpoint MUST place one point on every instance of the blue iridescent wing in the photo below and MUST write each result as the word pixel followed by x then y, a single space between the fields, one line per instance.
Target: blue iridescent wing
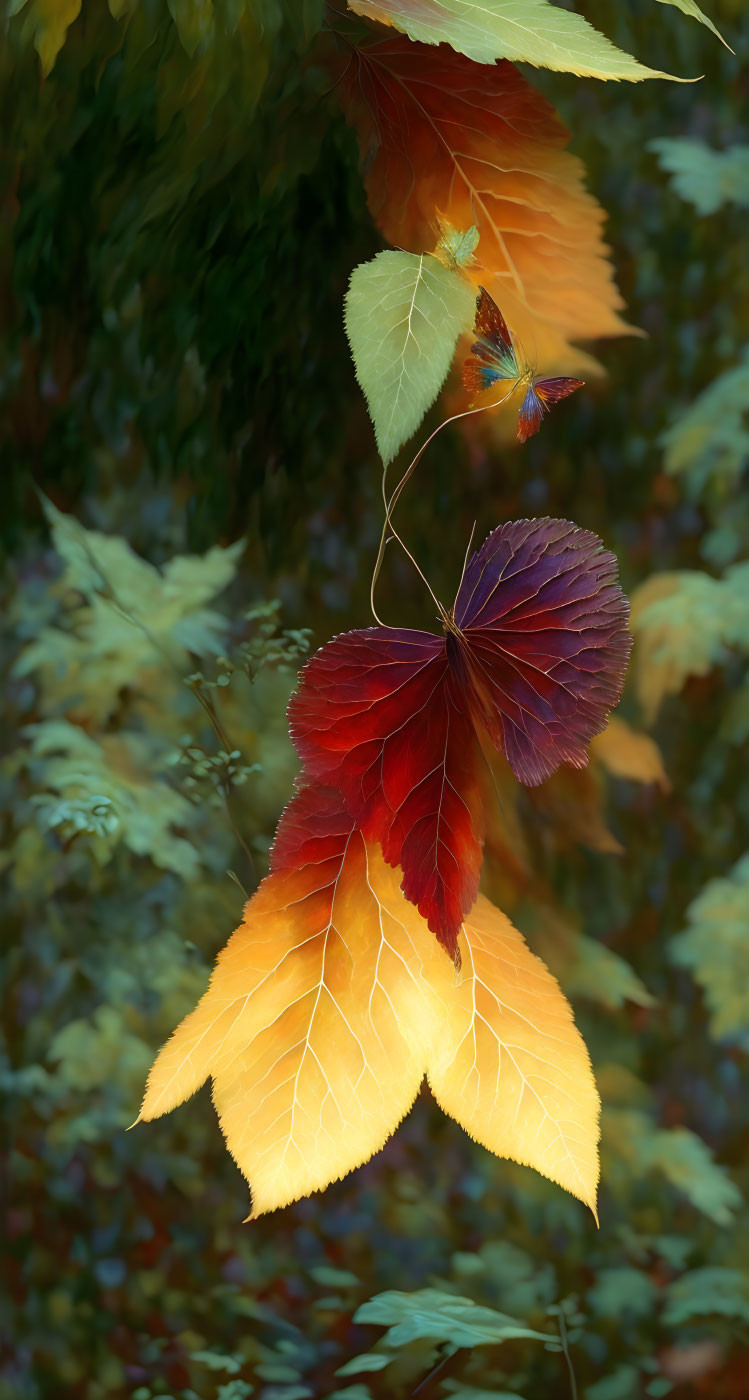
pixel 493 354
pixel 541 393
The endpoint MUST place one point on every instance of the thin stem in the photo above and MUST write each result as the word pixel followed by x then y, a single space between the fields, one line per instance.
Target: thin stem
pixel 392 503
pixel 448 1356
pixel 406 551
pixel 225 786
pixel 566 1350
pixel 210 710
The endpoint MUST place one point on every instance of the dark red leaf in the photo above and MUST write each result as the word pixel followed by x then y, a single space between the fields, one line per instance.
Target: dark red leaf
pixel 312 829
pixel 544 642
pixel 394 719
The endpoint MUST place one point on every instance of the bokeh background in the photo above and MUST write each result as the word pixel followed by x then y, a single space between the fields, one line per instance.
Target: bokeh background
pixel 190 483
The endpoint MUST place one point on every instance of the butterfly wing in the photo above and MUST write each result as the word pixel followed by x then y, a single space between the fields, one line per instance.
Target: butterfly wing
pixel 552 390
pixel 541 393
pixel 491 326
pixel 494 352
pixel 532 411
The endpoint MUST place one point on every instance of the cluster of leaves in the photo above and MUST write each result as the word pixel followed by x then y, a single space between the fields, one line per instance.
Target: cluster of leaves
pixel 170 197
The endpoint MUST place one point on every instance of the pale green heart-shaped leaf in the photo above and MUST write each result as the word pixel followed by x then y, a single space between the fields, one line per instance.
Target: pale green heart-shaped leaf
pixel 404 313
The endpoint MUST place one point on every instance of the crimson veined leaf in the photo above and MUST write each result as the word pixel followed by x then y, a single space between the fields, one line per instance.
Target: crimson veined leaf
pixel 531 660
pixel 332 1001
pixel 404 313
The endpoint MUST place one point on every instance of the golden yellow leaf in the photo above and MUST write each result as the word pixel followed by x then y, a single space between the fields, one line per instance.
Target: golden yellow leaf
pixel 568 809
pixel 626 753
pixel 333 1000
pixel 508 1062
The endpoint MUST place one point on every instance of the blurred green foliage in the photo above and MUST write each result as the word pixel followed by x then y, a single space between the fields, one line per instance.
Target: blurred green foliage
pixel 190 482
pixel 708 179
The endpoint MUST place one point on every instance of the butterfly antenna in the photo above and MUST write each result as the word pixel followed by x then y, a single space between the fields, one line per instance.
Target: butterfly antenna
pixel 468 550
pixel 393 501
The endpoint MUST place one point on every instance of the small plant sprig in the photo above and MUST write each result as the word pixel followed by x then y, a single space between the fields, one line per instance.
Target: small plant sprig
pixel 281 648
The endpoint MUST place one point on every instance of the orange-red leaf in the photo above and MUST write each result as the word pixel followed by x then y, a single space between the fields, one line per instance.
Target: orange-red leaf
pixel 474 141
pixel 332 1000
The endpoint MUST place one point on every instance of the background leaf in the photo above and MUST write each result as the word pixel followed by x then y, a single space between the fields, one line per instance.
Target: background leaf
pixel 708 179
pixel 684 623
pixel 441 1317
pixel 48 22
pixel 715 949
pixel 707 1291
pixel 708 444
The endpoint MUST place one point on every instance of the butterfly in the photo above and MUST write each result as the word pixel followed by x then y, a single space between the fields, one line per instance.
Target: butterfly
pixel 499 357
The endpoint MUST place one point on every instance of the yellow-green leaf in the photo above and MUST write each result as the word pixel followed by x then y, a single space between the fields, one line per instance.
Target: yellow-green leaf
pixel 524 31
pixel 689 7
